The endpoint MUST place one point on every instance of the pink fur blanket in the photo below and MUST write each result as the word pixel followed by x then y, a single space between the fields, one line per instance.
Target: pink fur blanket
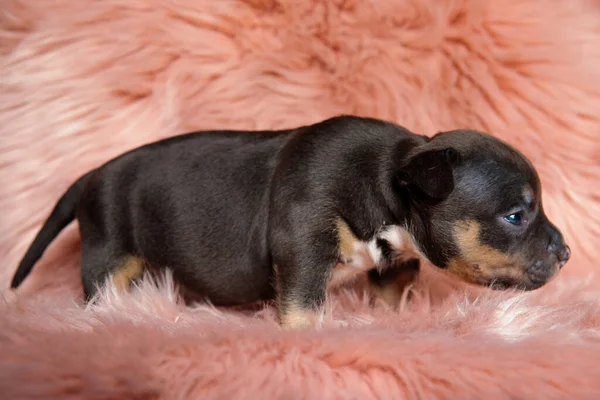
pixel 82 81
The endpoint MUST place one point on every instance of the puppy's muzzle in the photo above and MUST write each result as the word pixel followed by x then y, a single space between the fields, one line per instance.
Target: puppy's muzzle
pixel 542 271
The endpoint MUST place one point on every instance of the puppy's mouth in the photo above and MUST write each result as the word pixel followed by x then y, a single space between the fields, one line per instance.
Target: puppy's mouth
pixel 501 285
pixel 516 277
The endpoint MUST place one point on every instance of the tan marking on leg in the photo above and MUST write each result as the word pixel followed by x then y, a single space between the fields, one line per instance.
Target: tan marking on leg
pixel 296 317
pixel 131 269
pixel 291 314
pixel 348 247
pixel 347 241
pixel 478 262
pixel 393 292
pixel 403 243
pixel 343 274
pixel 356 258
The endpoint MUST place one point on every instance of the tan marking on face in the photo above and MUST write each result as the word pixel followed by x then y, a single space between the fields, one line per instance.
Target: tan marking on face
pixel 528 195
pixel 131 269
pixel 297 317
pixel 480 263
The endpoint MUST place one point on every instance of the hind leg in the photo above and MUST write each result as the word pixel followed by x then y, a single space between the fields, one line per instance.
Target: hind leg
pixel 98 265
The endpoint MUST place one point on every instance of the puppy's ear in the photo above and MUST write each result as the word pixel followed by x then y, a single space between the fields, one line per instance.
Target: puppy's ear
pixel 430 172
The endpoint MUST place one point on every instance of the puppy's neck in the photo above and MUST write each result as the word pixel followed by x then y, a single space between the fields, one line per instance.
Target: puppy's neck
pixel 411 216
pixel 391 163
pixel 418 225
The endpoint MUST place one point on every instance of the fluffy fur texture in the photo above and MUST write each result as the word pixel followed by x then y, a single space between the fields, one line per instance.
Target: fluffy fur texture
pixel 84 81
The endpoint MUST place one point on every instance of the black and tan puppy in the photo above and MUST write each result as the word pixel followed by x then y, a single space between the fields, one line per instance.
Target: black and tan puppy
pixel 246 216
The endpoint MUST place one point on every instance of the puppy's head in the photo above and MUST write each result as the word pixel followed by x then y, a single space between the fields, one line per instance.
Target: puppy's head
pixel 477 211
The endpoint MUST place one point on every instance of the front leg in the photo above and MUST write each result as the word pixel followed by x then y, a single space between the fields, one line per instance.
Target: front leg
pixel 390 282
pixel 304 261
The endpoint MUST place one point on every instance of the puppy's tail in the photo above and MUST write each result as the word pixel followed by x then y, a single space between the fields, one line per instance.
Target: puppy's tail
pixel 61 216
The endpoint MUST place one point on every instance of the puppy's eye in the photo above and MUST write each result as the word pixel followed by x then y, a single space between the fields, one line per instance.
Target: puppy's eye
pixel 515 218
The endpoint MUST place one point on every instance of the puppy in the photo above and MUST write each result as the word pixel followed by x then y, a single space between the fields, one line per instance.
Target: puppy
pixel 242 217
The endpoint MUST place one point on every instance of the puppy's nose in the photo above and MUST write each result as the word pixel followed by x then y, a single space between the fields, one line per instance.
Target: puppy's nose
pixel 563 255
pixel 556 243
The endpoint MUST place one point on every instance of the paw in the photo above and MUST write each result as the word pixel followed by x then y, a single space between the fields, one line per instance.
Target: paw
pixel 295 318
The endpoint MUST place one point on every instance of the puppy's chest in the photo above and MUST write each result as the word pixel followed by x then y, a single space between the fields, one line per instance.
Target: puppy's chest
pixel 392 243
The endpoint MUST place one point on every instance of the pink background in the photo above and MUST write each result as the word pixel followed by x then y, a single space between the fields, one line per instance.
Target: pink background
pixel 83 81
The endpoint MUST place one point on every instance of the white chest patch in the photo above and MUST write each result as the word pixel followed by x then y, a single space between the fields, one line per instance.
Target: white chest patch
pixel 358 256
